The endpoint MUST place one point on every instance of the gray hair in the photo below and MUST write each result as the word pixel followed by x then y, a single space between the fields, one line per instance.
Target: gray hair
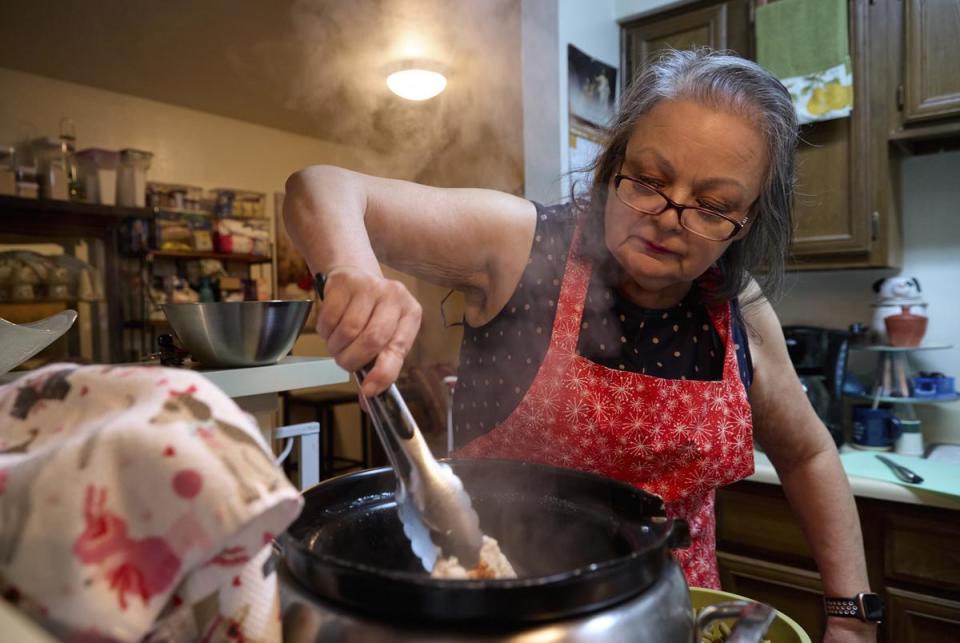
pixel 728 82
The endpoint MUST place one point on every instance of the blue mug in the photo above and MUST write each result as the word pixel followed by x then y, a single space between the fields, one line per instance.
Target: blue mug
pixel 875 428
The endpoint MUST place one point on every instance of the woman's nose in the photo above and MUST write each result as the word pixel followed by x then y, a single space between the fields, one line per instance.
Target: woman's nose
pixel 669 219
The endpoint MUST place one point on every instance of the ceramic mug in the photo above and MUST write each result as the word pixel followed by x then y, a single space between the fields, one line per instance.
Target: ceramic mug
pixel 910 441
pixel 875 428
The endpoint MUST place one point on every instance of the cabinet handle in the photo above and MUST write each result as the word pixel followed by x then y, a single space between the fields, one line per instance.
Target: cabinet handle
pixel 874 225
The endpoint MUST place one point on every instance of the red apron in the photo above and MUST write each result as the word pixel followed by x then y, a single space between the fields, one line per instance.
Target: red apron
pixel 679 439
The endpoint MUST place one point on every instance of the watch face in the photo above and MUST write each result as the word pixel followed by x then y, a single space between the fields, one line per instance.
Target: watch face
pixel 872 607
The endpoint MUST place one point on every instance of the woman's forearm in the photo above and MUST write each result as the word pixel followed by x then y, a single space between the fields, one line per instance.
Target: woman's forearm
pixel 323 212
pixel 820 496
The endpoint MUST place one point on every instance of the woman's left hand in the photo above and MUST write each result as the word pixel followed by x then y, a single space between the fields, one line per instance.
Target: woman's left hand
pixel 849 630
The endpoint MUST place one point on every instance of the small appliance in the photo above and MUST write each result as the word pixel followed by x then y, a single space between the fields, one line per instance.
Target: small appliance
pixel 819 355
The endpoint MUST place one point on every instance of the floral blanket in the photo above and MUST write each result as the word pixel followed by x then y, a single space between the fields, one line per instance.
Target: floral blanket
pixel 138 503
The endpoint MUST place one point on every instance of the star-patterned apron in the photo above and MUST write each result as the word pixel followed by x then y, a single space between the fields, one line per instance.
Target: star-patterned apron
pixel 679 439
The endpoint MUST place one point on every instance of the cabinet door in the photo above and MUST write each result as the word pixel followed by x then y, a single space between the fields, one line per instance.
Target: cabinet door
pixel 931 60
pixel 842 211
pixel 723 25
pixel 920 618
pixel 795 592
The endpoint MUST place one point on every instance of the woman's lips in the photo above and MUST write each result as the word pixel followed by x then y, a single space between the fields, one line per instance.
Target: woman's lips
pixel 656 249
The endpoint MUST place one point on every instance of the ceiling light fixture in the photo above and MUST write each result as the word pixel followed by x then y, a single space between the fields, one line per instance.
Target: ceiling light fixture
pixel 416 80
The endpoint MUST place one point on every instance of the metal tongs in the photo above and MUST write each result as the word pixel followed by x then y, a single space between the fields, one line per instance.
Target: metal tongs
pixel 434 508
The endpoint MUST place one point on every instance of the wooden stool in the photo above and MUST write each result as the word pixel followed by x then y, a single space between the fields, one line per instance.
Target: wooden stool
pixel 323 404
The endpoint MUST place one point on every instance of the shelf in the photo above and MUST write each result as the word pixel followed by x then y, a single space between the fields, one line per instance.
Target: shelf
pixel 14 205
pixel 223 256
pixel 887 399
pixel 881 348
pixel 25 302
pixel 150 323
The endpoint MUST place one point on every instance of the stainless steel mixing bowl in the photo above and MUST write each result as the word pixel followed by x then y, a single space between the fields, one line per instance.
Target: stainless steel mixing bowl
pixel 242 333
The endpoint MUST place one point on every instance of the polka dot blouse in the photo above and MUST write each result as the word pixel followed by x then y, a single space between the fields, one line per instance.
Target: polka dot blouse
pixel 498 361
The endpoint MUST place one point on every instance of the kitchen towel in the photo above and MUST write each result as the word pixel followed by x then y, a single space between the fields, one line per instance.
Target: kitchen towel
pixel 939 477
pixel 805 44
pixel 138 503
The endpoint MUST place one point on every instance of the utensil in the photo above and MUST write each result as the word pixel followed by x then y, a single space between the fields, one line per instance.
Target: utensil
pixel 901 471
pixel 241 333
pixel 783 629
pixel 753 619
pixel 20 342
pixel 433 507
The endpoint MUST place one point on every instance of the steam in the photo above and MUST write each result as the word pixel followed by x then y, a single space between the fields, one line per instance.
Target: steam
pixel 470 135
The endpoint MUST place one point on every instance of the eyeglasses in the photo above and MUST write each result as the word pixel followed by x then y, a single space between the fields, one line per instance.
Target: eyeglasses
pixel 703 222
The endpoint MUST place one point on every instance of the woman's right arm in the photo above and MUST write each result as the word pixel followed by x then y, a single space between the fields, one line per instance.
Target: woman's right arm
pixel 344 223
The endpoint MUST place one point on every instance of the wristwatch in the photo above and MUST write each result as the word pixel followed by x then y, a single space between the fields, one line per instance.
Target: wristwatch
pixel 865 606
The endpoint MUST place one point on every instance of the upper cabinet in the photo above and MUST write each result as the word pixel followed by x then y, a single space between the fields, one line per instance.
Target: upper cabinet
pixel 926 62
pixel 845 213
pixel 718 25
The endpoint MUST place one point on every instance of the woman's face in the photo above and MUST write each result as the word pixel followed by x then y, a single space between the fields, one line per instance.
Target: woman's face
pixel 695 155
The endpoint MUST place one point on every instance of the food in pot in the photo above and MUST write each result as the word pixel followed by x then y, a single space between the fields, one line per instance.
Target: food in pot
pixel 718 632
pixel 493 564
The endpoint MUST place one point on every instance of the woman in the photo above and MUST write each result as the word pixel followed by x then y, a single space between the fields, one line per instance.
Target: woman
pixel 608 335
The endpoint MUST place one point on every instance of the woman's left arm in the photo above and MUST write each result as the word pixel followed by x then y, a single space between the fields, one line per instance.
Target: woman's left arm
pixel 807 462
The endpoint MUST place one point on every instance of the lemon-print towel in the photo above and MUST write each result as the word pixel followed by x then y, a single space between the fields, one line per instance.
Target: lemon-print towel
pixel 805 44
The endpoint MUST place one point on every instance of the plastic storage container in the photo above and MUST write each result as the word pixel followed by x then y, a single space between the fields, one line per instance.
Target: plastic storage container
pixel 132 178
pixel 98 175
pixel 8 171
pixel 27 186
pixel 243 236
pixel 175 197
pixel 239 203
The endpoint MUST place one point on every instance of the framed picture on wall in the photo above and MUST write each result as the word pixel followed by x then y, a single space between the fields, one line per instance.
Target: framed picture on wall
pixel 592 88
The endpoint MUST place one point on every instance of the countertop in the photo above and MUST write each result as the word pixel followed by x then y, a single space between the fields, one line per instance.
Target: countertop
pixel 865 487
pixel 286 375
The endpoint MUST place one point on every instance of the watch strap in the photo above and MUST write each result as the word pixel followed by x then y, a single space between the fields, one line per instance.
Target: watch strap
pixel 848 607
pixel 866 606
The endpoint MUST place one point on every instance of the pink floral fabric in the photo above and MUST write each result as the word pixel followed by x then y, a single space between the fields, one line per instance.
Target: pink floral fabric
pixel 679 439
pixel 138 503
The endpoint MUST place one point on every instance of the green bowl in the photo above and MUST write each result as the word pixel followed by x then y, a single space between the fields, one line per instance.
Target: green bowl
pixel 783 629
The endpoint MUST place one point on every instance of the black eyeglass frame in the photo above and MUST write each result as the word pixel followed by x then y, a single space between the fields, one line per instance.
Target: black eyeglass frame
pixel 679 207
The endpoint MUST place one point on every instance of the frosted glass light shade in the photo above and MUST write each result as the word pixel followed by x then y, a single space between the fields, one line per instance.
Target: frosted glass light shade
pixel 416 84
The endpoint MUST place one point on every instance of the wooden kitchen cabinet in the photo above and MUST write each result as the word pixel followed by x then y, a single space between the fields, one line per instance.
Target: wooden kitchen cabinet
pixel 912 551
pixel 845 213
pixel 931 51
pixel 718 25
pixel 924 59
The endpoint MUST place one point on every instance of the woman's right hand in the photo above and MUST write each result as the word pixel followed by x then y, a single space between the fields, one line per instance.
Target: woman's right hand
pixel 366 317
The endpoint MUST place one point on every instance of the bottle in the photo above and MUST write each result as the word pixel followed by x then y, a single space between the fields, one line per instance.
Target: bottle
pixel 68 136
pixel 206 292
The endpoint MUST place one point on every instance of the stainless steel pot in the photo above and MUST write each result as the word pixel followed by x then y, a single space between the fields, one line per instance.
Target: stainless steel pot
pixel 593 555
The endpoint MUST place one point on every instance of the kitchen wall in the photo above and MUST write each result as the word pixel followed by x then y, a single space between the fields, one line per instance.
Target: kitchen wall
pixel 931 252
pixel 629 9
pixel 548 26
pixel 189 146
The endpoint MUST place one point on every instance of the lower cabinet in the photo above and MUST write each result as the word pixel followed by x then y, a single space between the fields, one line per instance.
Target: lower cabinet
pixel 919 618
pixel 795 592
pixel 913 560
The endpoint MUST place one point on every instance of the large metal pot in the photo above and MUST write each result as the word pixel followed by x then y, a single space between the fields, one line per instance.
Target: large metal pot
pixel 593 556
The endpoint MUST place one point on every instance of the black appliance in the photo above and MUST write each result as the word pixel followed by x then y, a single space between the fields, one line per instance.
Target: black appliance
pixel 819 356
